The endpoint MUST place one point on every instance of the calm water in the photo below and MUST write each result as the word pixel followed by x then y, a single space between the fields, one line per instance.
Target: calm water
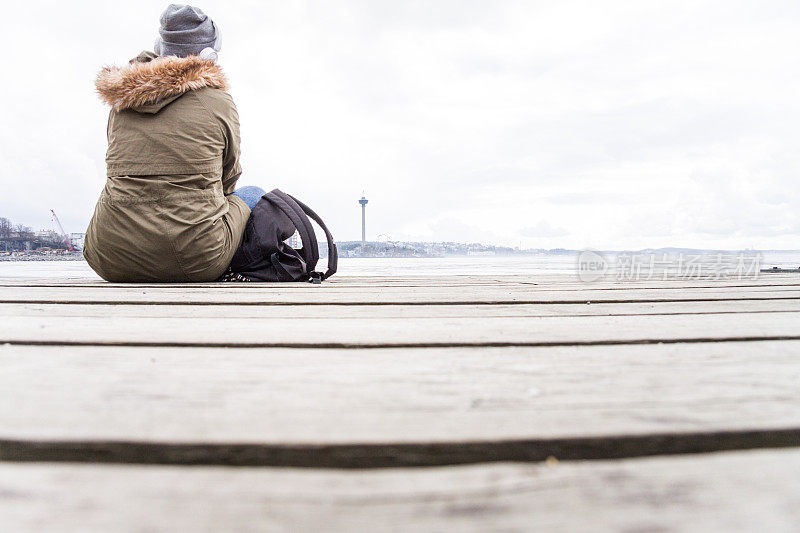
pixel 387 266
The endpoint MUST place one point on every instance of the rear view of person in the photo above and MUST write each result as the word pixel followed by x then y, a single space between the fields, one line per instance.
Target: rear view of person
pixel 169 211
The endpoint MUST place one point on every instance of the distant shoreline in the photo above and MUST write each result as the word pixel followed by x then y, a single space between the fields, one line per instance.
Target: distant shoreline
pixel 54 257
pixel 78 256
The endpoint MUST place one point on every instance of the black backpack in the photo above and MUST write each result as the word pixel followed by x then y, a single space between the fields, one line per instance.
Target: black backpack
pixel 265 256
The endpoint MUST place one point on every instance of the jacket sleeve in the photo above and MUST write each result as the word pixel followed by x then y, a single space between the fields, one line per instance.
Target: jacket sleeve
pixel 221 106
pixel 231 168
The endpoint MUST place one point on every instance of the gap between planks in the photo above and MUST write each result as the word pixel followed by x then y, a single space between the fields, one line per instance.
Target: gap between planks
pixel 393 455
pixel 385 345
pixel 395 302
pixel 400 312
pixel 368 283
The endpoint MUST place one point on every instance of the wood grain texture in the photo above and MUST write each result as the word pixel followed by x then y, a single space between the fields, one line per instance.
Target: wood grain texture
pixel 344 312
pixel 399 332
pixel 321 397
pixel 562 278
pixel 732 492
pixel 367 293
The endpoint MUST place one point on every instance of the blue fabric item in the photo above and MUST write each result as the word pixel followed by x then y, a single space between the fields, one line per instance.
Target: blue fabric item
pixel 250 194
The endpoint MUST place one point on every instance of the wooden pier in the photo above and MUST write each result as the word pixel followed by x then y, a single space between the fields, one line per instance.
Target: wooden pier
pixel 462 403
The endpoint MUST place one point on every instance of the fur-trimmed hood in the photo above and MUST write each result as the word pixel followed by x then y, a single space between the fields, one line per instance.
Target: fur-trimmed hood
pixel 150 80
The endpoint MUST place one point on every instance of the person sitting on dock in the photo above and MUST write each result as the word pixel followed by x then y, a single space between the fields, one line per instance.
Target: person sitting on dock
pixel 170 210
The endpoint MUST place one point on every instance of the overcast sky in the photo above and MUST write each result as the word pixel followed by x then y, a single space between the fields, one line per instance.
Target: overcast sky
pixel 611 125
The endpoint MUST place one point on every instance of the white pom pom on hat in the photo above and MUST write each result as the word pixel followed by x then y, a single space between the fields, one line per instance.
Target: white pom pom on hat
pixel 208 54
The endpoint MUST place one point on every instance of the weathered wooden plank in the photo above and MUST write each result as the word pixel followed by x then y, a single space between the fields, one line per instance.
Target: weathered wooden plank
pixel 54 272
pixel 399 331
pixel 743 491
pixel 398 311
pixel 310 295
pixel 395 395
pixel 413 285
pixel 411 282
pixel 547 280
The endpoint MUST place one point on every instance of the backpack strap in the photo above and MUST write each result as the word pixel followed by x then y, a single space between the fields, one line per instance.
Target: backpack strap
pixel 297 215
pixel 333 253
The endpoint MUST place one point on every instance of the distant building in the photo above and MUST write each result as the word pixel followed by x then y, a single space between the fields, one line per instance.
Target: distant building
pixel 77 240
pixel 363 203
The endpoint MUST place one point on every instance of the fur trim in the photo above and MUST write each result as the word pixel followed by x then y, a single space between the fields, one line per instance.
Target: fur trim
pixel 140 84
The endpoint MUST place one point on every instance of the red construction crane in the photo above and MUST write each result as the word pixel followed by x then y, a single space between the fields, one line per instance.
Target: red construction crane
pixel 63 233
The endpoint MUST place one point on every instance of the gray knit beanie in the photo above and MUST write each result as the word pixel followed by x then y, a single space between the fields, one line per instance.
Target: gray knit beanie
pixel 187 31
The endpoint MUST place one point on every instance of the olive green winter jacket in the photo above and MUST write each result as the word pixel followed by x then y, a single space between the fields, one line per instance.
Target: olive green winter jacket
pixel 173 156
